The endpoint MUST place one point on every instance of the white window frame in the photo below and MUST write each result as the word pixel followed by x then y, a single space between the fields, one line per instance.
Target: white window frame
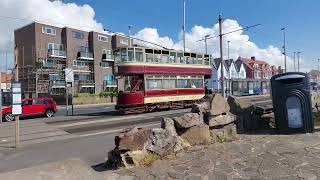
pixel 124 41
pixel 100 38
pixel 45 28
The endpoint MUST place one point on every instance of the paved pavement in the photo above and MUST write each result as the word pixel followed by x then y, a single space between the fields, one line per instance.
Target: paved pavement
pixel 256 156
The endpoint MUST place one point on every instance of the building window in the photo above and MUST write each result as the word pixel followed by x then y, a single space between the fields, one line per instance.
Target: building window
pixel 102 38
pixel 242 74
pixel 124 41
pixel 55 46
pixel 80 63
pixel 77 34
pixel 233 73
pixel 83 49
pixel 55 77
pixel 139 55
pixel 105 65
pixel 49 63
pixel 108 53
pixel 84 77
pixel 49 30
pixel 172 82
pixel 109 79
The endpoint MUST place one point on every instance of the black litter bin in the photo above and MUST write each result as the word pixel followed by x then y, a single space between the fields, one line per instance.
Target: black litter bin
pixel 292 103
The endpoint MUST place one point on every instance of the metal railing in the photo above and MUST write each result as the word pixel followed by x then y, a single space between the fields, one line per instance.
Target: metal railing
pixel 85 55
pixel 57 53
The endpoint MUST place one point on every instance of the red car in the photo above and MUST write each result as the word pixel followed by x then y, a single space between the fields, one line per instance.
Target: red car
pixel 32 107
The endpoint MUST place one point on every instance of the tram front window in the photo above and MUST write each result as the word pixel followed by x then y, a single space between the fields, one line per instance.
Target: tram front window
pixel 133 83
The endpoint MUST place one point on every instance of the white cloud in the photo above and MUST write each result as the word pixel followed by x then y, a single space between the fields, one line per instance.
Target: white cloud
pixel 56 13
pixel 83 17
pixel 240 44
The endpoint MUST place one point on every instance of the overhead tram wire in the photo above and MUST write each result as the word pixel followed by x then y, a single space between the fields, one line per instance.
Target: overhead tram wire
pixel 245 28
pixel 107 30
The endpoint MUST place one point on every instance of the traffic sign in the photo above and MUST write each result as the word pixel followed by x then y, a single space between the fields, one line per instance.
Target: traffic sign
pixel 69 75
pixel 16 98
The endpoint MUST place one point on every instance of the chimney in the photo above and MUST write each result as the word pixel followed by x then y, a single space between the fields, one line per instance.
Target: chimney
pixel 253 58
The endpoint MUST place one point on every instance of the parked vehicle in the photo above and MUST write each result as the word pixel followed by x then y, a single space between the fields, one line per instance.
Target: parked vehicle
pixel 32 107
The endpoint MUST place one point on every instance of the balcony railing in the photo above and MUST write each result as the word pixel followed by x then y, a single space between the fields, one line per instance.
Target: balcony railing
pixel 85 55
pixel 57 53
pixel 81 69
pixel 58 84
pixel 86 83
pixel 110 83
pixel 107 57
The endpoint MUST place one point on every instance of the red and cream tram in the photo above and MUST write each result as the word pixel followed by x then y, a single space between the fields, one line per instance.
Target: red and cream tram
pixel 150 79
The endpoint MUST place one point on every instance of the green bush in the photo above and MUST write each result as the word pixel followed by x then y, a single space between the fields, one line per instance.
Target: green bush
pixel 108 94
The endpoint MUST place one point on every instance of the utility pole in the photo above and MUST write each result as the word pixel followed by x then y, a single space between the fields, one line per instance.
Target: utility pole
pixel 129 27
pixel 221 55
pixel 298 53
pixel 17 80
pixel 284 49
pixel 205 42
pixel 318 64
pixel 294 61
pixel 184 25
pixel 229 61
pixel 318 69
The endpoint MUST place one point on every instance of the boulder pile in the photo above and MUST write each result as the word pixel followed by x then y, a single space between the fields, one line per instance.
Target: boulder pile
pixel 208 122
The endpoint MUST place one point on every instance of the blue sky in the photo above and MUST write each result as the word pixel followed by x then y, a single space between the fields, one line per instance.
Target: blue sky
pixel 300 17
pixel 160 21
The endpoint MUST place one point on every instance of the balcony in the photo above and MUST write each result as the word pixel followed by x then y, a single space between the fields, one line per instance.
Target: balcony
pixel 58 84
pixel 81 69
pixel 86 83
pixel 107 57
pixel 109 83
pixel 85 55
pixel 57 53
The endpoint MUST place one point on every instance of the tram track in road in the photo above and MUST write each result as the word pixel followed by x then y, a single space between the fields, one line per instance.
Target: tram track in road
pixel 115 123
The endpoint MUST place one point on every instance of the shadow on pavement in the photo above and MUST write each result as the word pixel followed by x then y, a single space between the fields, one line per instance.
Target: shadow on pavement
pixel 100 167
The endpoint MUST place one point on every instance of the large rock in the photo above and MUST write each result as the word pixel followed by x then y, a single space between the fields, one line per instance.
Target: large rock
pixel 168 124
pixel 203 107
pixel 132 139
pixel 196 135
pixel 187 120
pixel 239 105
pixel 226 134
pixel 220 120
pixel 160 142
pixel 180 144
pixel 219 105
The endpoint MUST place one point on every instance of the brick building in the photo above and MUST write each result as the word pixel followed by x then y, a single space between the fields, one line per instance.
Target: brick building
pixel 44 51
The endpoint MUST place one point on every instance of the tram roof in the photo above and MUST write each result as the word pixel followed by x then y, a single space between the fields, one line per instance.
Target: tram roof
pixel 165 51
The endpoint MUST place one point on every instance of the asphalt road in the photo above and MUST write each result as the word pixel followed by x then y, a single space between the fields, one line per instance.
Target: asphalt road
pixel 85 110
pixel 93 131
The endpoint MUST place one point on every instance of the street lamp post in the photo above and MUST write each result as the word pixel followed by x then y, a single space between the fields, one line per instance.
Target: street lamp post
pixel 205 42
pixel 229 61
pixel 129 28
pixel 294 61
pixel 298 53
pixel 284 49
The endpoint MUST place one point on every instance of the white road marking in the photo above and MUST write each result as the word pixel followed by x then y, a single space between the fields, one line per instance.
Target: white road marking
pixel 112 119
pixel 115 130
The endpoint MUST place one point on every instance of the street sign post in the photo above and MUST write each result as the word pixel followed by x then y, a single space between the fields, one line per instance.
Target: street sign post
pixel 16 98
pixel 16 107
pixel 69 78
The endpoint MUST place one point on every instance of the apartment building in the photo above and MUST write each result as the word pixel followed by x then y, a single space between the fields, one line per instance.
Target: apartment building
pixel 44 51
